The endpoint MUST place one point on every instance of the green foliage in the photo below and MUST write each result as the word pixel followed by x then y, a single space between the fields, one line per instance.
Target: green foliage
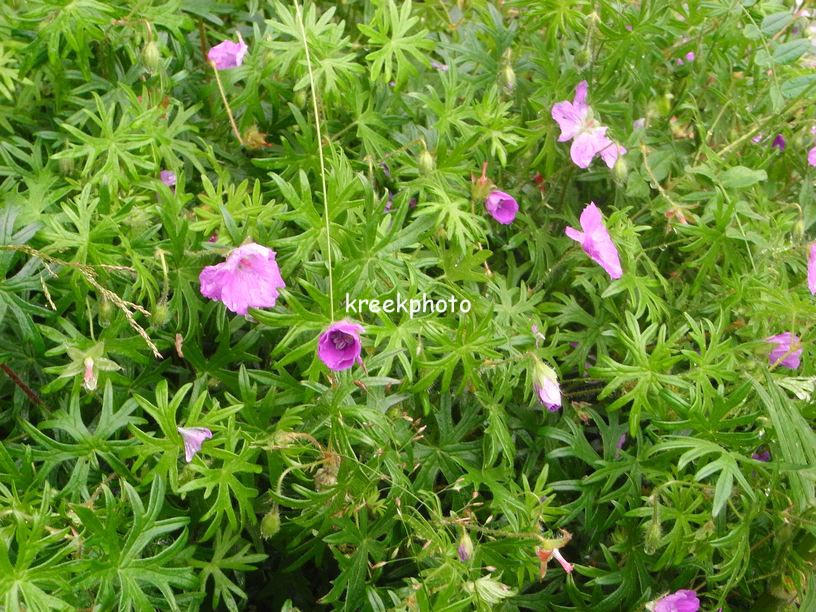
pixel 354 490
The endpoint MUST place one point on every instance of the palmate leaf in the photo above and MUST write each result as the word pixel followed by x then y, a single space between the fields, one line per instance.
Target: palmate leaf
pixel 240 561
pixel 389 30
pixel 136 569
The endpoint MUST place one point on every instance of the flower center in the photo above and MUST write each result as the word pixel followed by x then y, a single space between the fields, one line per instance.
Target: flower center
pixel 244 263
pixel 341 340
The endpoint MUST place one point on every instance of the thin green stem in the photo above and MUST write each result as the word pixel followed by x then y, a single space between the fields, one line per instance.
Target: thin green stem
pixel 320 155
pixel 226 105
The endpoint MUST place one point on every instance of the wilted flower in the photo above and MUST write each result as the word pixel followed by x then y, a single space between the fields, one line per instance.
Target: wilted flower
pixel 88 363
pixel 89 379
pixel 439 66
pixel 588 136
pixel 249 278
pixel 544 557
pixel 639 124
pixel 228 54
pixel 811 267
pixel 502 207
pixel 762 455
pixel 812 157
pixel 596 241
pixel 787 350
pixel 684 600
pixel 757 138
pixel 546 386
pixel 339 346
pixel 779 142
pixel 168 177
pixel 193 438
pixel 621 441
pixel 465 548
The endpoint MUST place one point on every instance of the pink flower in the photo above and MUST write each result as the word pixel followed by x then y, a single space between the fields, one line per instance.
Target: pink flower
pixel 168 177
pixel 811 268
pixel 684 600
pixel 690 57
pixel 588 136
pixel 89 378
pixel 596 242
pixel 502 207
pixel 787 350
pixel 339 346
pixel 544 557
pixel 546 386
pixel 812 157
pixel 762 456
pixel 249 278
pixel 193 438
pixel 228 54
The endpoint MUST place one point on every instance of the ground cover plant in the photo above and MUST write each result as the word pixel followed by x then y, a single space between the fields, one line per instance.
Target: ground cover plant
pixel 381 305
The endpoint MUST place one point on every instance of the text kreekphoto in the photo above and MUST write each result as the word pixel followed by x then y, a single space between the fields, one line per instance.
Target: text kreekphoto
pixel 413 306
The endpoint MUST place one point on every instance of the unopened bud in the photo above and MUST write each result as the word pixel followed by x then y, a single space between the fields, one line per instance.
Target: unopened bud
pixel 66 165
pixel 151 56
pixel 465 548
pixel 161 314
pixel 254 138
pixel 651 541
pixel 300 98
pixel 508 78
pixel 270 523
pixel 582 59
pixel 105 312
pixel 426 162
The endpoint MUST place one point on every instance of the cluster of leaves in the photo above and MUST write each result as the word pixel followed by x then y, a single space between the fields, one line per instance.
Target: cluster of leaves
pixel 352 491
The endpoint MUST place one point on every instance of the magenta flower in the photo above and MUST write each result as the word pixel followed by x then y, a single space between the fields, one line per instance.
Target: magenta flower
pixel 779 142
pixel 690 57
pixel 787 350
pixel 168 177
pixel 502 207
pixel 596 241
pixel 762 456
pixel 339 346
pixel 812 157
pixel 193 438
pixel 588 136
pixel 249 278
pixel 811 268
pixel 684 600
pixel 546 386
pixel 228 54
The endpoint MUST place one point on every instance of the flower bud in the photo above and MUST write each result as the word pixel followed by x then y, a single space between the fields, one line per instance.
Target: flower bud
pixel 89 378
pixel 66 165
pixel 465 548
pixel 545 383
pixel 105 309
pixel 151 56
pixel 508 78
pixel 651 541
pixel 426 162
pixel 161 314
pixel 270 523
pixel 582 59
pixel 300 98
pixel 620 170
pixel 254 138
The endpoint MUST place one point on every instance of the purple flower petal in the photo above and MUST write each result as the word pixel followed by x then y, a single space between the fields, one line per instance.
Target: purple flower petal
pixel 249 278
pixel 502 207
pixel 193 438
pixel 812 157
pixel 339 345
pixel 684 600
pixel 228 54
pixel 782 354
pixel 168 177
pixel 596 241
pixel 811 268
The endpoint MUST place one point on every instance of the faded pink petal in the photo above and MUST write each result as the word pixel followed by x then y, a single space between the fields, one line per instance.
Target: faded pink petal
pixel 193 438
pixel 249 278
pixel 782 354
pixel 339 345
pixel 684 600
pixel 812 157
pixel 596 241
pixel 811 268
pixel 564 563
pixel 501 206
pixel 228 54
pixel 89 379
pixel 586 145
pixel 611 152
pixel 568 119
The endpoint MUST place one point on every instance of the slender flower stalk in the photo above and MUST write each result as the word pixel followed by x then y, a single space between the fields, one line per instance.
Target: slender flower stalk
pixel 234 126
pixel 320 154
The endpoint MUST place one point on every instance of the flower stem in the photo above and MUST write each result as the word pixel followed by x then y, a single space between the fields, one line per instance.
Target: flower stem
pixel 226 105
pixel 320 155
